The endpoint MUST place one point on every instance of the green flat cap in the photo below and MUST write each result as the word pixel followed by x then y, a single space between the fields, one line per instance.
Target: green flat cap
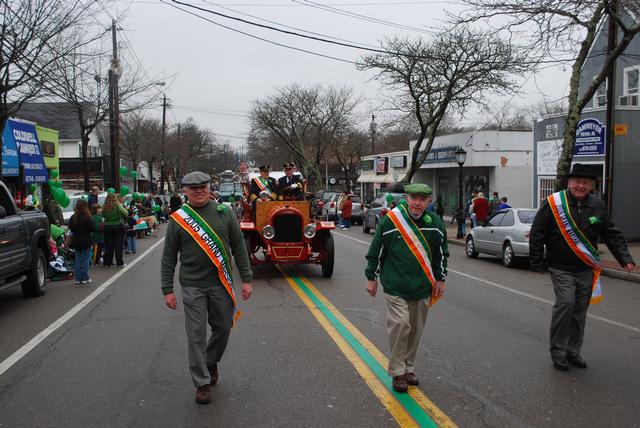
pixel 417 189
pixel 195 179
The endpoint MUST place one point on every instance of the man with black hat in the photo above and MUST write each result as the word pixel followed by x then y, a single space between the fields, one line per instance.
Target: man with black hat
pixel 569 224
pixel 205 234
pixel 290 186
pixel 263 183
pixel 409 252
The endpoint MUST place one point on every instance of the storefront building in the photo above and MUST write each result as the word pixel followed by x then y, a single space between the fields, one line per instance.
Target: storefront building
pixel 499 161
pixel 380 172
pixel 591 138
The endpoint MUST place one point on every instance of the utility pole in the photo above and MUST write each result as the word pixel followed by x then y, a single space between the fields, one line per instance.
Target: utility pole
pixel 611 100
pixel 372 128
pixel 164 127
pixel 114 111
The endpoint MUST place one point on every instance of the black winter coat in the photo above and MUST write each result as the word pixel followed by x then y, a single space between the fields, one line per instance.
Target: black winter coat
pixel 545 231
pixel 81 226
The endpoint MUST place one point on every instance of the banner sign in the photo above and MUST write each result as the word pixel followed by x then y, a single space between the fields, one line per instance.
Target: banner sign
pixel 590 138
pixel 10 157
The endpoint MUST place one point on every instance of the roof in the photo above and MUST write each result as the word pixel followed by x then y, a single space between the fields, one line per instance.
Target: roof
pixel 55 115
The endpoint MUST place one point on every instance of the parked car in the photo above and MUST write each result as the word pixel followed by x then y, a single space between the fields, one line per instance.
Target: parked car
pixel 379 208
pixel 320 198
pixel 24 247
pixel 505 234
pixel 230 190
pixel 330 211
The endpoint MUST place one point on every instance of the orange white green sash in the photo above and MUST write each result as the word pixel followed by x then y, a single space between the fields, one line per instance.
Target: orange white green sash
pixel 211 244
pixel 417 243
pixel 262 185
pixel 576 240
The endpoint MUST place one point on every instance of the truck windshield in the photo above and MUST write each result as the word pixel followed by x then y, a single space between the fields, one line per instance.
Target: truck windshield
pixel 226 189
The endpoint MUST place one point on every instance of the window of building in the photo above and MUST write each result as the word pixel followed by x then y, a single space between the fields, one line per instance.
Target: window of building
pixel 545 188
pixel 631 86
pixel 600 98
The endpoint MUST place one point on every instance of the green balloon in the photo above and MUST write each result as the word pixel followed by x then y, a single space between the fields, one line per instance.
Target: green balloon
pixel 32 187
pixel 134 195
pixel 133 174
pixel 51 183
pixel 124 190
pixel 403 202
pixel 64 203
pixel 58 194
pixel 156 208
pixel 54 173
pixel 111 190
pixel 389 198
pixel 123 170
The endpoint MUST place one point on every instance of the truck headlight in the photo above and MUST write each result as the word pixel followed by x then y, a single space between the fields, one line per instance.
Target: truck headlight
pixel 268 232
pixel 310 230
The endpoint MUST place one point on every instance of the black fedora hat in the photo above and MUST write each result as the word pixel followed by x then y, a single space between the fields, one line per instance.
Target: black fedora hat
pixel 582 170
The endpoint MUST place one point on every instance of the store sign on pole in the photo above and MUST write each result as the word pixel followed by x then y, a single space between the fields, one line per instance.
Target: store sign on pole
pixel 590 138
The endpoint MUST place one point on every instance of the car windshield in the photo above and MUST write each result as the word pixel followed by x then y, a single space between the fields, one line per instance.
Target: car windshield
pixel 226 189
pixel 328 195
pixel 526 216
pixel 355 199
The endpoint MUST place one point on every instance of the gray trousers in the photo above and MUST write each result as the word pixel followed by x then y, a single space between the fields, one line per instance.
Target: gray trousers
pixel 573 291
pixel 405 322
pixel 202 305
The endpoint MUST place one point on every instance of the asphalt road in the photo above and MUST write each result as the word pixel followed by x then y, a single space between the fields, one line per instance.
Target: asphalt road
pixel 121 360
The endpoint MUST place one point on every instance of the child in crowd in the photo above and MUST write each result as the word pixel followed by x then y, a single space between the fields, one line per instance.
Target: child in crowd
pixel 97 237
pixel 131 233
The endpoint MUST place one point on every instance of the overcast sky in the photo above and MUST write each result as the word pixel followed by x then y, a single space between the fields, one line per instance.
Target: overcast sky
pixel 219 71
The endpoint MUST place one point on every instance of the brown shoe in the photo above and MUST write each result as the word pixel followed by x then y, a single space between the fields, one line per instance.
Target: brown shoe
pixel 213 372
pixel 400 383
pixel 203 395
pixel 412 379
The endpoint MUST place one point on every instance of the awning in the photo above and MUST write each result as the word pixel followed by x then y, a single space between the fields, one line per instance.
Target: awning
pixel 10 158
pixel 25 137
pixel 372 177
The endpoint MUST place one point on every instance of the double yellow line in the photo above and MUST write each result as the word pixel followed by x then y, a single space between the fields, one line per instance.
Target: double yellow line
pixel 409 410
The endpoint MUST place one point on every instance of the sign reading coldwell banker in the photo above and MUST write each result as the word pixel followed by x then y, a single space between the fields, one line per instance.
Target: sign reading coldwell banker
pixel 31 160
pixel 590 138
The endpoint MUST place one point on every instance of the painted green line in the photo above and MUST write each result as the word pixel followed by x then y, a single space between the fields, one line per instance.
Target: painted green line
pixel 416 412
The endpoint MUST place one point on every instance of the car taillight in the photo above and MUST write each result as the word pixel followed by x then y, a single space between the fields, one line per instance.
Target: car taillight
pixel 384 211
pixel 320 204
pixel 332 205
pixel 525 235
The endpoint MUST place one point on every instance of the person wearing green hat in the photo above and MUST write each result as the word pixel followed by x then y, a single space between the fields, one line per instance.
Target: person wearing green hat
pixel 409 253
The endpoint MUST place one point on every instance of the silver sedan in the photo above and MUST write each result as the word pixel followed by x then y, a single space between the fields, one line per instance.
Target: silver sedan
pixel 505 234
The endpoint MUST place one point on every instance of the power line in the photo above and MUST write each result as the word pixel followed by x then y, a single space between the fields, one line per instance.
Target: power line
pixel 209 111
pixel 331 9
pixel 256 37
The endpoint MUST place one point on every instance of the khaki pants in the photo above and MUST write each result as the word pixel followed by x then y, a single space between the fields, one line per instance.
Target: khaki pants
pixel 405 322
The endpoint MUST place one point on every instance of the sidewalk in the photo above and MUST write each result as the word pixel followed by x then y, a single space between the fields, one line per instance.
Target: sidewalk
pixel 610 266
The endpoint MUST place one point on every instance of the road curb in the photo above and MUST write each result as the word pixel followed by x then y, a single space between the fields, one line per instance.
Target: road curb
pixel 612 273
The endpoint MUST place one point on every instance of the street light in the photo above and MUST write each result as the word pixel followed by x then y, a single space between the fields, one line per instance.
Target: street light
pixel 461 157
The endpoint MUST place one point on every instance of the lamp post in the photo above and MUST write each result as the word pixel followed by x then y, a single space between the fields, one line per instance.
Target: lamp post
pixel 461 157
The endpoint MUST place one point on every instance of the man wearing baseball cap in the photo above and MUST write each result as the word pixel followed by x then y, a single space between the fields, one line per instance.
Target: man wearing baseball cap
pixel 409 253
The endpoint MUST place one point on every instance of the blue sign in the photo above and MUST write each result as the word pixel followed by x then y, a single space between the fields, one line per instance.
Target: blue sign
pixel 26 139
pixel 590 138
pixel 443 154
pixel 10 158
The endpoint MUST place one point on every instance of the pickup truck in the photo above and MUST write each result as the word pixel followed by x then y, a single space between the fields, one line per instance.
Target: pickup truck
pixel 24 247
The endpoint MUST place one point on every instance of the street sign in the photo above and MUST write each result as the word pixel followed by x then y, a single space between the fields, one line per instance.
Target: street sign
pixel 590 137
pixel 243 167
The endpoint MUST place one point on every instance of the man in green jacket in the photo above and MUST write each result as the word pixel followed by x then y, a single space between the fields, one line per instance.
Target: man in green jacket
pixel 409 252
pixel 205 234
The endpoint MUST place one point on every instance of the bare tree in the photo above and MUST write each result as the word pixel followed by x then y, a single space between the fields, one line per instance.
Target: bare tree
pixel 79 80
pixel 427 80
pixel 33 35
pixel 567 26
pixel 305 120
pixel 187 150
pixel 348 149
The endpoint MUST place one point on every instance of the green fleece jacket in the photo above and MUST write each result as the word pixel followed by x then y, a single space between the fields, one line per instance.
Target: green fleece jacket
pixel 196 269
pixel 400 272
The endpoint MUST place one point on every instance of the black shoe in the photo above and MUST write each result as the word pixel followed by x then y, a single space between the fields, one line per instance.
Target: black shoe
pixel 577 361
pixel 560 363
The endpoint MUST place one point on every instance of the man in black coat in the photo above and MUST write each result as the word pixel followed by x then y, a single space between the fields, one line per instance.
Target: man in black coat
pixel 263 183
pixel 569 224
pixel 290 186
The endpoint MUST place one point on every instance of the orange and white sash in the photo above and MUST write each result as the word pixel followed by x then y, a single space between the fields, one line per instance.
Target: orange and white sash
pixel 261 185
pixel 576 240
pixel 211 244
pixel 417 243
